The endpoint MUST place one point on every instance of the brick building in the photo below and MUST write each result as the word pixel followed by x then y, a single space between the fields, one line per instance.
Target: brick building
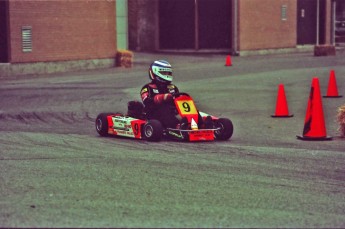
pixel 238 26
pixel 74 34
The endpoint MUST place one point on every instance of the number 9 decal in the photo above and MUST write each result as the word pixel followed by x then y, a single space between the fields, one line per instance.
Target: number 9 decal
pixel 186 107
pixel 136 129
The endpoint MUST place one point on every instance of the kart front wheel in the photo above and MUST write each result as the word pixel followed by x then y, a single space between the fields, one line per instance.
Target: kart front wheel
pixel 152 130
pixel 101 124
pixel 225 127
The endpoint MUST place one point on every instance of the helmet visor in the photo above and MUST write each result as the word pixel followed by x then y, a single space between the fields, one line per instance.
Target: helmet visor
pixel 166 73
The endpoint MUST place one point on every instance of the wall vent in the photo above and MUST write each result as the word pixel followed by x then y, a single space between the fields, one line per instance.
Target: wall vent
pixel 27 38
pixel 284 13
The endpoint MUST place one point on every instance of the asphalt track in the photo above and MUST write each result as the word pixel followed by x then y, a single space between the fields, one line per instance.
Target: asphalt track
pixel 57 172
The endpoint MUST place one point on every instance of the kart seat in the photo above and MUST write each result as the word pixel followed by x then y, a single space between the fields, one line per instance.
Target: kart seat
pixel 135 109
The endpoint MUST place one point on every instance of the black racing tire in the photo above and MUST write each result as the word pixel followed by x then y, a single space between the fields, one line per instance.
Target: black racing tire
pixel 152 130
pixel 226 129
pixel 101 124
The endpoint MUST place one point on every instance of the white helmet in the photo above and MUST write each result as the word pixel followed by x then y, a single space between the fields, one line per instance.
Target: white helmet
pixel 161 71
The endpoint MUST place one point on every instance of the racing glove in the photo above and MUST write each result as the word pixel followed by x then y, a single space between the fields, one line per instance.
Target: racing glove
pixel 160 98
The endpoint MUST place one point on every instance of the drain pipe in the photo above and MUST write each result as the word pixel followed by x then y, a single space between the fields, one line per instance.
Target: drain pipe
pixel 318 22
pixel 234 30
pixel 196 21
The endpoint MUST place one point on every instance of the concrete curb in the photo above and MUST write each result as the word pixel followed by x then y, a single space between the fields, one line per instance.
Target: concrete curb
pixel 39 68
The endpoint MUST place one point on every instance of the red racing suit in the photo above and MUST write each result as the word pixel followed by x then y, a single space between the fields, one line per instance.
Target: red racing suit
pixel 158 102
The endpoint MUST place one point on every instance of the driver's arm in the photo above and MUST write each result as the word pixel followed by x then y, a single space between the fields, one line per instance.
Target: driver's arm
pixel 146 96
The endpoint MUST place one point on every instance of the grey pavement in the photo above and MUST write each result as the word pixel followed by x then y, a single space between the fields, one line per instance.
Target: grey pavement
pixel 57 172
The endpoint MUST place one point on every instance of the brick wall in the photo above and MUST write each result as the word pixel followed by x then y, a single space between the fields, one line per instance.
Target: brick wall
pixel 63 30
pixel 261 26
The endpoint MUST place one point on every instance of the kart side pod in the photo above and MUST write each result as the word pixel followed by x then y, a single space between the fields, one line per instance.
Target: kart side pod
pixel 119 125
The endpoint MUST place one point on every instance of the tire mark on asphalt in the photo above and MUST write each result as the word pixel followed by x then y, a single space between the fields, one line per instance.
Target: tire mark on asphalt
pixel 48 158
pixel 46 117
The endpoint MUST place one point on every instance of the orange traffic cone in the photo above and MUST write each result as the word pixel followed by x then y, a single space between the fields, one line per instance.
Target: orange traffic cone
pixel 314 124
pixel 332 91
pixel 282 110
pixel 228 61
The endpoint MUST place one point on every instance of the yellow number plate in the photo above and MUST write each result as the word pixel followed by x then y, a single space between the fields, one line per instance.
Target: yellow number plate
pixel 187 107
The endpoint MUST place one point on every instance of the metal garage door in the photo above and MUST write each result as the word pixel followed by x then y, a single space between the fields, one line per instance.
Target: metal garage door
pixel 195 24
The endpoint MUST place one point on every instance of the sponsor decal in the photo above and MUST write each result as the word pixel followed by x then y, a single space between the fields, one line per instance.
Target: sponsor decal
pixel 175 134
pixel 122 123
pixel 121 132
pixel 143 91
pixel 206 135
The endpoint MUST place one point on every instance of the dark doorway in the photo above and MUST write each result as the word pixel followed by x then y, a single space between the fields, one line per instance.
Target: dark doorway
pixel 176 24
pixel 322 22
pixel 195 24
pixel 306 21
pixel 3 31
pixel 214 24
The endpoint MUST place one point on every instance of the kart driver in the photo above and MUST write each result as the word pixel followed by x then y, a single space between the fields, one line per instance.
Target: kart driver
pixel 157 96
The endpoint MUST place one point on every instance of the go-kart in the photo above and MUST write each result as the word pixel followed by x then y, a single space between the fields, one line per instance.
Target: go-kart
pixel 198 126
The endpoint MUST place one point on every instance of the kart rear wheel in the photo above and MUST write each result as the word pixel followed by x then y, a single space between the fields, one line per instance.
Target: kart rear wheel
pixel 101 124
pixel 152 130
pixel 226 129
